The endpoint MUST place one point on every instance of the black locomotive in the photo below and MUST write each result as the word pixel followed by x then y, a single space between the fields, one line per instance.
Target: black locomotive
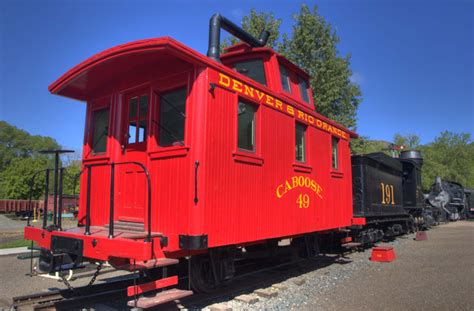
pixel 451 199
pixel 387 192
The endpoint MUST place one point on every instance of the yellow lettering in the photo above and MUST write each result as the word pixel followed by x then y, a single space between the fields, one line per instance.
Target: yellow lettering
pixel 313 185
pixel 237 86
pixel 294 181
pixel 318 192
pixel 279 104
pixel 278 192
pixel 269 100
pixel 290 110
pixel 248 90
pixel 224 80
pixel 319 123
pixel 301 182
pixel 287 186
pixel 259 94
pixel 310 119
pixel 300 114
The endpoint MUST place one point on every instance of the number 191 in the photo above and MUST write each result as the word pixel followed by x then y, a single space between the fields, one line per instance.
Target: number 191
pixel 388 195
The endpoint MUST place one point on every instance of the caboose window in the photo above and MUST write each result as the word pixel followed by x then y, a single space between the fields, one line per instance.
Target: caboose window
pixel 252 69
pixel 137 119
pixel 303 86
pixel 300 142
pixel 335 153
pixel 246 126
pixel 172 117
pixel 100 126
pixel 285 79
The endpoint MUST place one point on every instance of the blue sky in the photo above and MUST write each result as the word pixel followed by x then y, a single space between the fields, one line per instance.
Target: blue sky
pixel 414 60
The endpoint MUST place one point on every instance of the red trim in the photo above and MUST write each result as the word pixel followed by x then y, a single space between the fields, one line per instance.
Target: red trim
pixel 358 221
pixel 102 249
pixel 169 152
pixel 301 167
pixel 247 158
pixel 143 288
pixel 337 174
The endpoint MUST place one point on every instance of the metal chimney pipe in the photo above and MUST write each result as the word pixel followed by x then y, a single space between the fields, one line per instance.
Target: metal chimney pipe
pixel 217 22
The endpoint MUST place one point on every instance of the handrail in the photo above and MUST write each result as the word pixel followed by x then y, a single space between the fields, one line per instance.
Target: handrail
pixel 56 153
pixel 30 199
pixel 60 203
pixel 112 185
pixel 45 204
pixel 76 177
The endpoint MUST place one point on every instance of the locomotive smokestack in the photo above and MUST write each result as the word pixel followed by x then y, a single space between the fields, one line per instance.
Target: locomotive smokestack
pixel 413 155
pixel 217 22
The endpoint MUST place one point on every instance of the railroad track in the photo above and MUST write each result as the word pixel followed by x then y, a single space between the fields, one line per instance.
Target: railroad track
pixel 70 300
pixel 250 275
pixel 264 276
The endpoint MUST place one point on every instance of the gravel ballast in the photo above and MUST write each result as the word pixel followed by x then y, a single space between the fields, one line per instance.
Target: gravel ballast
pixel 436 274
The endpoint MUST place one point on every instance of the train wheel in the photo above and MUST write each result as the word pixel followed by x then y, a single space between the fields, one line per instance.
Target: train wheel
pixel 203 278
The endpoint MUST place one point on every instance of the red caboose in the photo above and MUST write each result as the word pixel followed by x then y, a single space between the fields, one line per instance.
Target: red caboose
pixel 231 145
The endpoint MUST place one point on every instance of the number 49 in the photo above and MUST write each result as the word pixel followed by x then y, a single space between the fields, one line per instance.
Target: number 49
pixel 303 200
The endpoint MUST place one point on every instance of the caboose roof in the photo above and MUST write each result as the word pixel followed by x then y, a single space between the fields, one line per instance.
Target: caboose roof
pixel 85 79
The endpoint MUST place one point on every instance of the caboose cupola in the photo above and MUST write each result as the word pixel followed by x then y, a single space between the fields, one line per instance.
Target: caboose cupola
pixel 267 67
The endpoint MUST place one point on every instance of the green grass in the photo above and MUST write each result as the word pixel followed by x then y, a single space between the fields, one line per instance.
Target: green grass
pixel 15 243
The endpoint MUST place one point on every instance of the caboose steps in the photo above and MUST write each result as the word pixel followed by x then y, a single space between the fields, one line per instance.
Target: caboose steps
pixel 104 231
pixel 160 298
pixel 149 264
pixel 128 226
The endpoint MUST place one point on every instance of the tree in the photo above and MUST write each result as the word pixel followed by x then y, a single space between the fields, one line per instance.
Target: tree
pixel 15 179
pixel 364 145
pixel 17 143
pixel 410 141
pixel 254 24
pixel 312 46
pixel 19 160
pixel 71 172
pixel 450 156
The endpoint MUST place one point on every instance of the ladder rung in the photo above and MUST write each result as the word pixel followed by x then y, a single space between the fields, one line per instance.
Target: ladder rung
pixel 146 287
pixel 160 298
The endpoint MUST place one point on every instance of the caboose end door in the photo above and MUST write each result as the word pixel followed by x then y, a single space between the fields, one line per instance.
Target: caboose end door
pixel 131 177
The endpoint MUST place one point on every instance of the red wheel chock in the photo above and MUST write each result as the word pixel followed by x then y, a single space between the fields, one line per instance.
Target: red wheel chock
pixel 383 254
pixel 421 236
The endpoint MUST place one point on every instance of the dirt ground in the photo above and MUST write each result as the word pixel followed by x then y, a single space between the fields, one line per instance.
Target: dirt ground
pixel 437 274
pixel 14 280
pixel 11 228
